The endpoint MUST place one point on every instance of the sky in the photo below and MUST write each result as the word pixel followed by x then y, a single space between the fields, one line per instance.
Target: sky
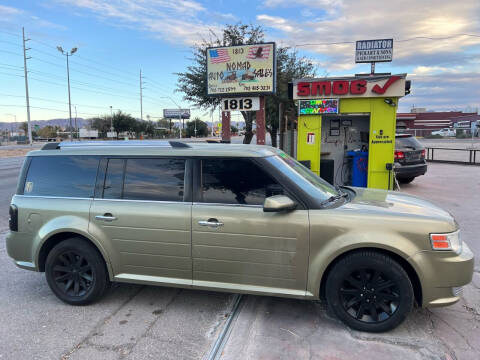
pixel 436 42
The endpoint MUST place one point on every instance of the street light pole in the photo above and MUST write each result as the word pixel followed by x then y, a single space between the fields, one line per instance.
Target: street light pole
pixel 76 127
pixel 67 54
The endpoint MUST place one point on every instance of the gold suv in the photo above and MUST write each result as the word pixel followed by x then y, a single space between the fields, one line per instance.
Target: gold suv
pixel 236 218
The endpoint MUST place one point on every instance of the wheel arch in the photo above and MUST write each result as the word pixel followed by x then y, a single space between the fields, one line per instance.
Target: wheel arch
pixel 411 272
pixel 57 238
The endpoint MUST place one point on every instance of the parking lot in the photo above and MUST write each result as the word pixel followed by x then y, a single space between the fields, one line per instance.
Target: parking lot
pixel 146 322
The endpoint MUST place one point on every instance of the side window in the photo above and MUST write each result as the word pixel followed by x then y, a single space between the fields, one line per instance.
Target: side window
pixel 66 176
pixel 154 179
pixel 236 181
pixel 112 188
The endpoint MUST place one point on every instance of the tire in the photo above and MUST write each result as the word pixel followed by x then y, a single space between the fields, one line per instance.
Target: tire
pixel 76 272
pixel 369 291
pixel 406 180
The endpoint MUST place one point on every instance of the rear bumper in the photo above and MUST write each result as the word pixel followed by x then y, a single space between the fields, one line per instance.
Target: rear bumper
pixel 442 274
pixel 406 171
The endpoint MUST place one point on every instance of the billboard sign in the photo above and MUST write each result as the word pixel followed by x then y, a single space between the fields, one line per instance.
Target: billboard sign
pixel 176 113
pixel 241 70
pixel 368 51
pixel 318 107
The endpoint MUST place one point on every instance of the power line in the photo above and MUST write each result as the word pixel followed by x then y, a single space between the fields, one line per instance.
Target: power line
pixel 399 40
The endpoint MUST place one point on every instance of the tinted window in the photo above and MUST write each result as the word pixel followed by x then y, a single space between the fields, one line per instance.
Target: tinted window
pixel 236 181
pixel 408 142
pixel 154 179
pixel 70 176
pixel 112 188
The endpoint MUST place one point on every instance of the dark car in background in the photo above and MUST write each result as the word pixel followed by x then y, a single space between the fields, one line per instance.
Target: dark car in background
pixel 409 158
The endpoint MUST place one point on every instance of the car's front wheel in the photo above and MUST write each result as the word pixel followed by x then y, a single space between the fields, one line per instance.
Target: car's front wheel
pixel 76 272
pixel 369 291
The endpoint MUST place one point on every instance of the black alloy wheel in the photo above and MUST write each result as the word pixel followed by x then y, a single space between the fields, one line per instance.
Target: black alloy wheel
pixel 76 272
pixel 369 295
pixel 72 273
pixel 369 291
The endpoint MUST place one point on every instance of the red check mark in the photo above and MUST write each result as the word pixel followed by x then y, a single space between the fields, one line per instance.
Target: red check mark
pixel 381 90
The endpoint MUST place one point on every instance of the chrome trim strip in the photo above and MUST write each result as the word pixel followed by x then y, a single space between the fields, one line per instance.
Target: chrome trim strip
pixel 54 197
pixel 221 204
pixel 145 201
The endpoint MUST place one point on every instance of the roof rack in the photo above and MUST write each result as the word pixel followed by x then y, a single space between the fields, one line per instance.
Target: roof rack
pixel 115 143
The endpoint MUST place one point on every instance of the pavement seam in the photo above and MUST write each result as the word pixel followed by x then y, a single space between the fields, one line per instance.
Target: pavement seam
pixel 66 355
pixel 151 325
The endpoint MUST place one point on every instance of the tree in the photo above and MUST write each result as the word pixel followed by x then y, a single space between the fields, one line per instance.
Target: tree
pixel 124 122
pixel 289 66
pixel 193 82
pixel 48 131
pixel 24 126
pixel 233 129
pixel 202 128
pixel 102 124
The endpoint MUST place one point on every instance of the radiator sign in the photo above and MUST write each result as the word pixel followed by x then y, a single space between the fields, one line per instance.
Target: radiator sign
pixel 368 51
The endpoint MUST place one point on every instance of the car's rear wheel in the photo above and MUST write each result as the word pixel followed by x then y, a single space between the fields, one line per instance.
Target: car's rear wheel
pixel 76 272
pixel 405 180
pixel 369 291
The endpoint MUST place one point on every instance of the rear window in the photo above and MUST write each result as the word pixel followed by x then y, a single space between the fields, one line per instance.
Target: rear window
pixel 66 176
pixel 408 142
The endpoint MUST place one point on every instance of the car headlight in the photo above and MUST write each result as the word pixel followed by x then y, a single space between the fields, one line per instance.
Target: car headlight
pixel 449 241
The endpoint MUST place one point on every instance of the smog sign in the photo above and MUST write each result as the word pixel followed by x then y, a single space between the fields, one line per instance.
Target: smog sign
pixel 241 104
pixel 241 70
pixel 368 51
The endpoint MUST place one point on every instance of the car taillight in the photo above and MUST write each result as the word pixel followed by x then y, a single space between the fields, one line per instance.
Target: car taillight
pixel 399 155
pixel 13 220
pixel 423 153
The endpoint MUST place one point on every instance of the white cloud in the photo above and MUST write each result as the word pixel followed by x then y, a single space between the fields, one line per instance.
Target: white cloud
pixel 174 21
pixel 365 19
pixel 7 10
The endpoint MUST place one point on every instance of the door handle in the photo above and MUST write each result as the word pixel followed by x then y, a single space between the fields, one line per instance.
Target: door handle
pixel 213 223
pixel 106 217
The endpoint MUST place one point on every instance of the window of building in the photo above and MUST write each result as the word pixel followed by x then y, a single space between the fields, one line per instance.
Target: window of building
pixel 236 181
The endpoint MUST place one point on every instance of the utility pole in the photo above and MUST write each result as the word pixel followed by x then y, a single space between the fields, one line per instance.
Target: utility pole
pixel 67 54
pixel 26 85
pixel 76 127
pixel 141 97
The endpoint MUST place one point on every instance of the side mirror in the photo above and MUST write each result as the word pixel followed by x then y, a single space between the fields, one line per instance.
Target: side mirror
pixel 278 203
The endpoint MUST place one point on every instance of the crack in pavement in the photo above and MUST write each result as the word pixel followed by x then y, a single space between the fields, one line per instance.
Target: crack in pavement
pixel 93 332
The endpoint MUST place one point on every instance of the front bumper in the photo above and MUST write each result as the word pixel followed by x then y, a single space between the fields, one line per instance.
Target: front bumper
pixel 406 171
pixel 442 273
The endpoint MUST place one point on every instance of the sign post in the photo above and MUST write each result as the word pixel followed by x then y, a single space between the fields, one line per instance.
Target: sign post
pixel 226 129
pixel 260 119
pixel 372 51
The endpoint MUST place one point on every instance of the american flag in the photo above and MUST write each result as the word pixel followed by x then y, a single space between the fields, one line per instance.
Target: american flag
pixel 258 52
pixel 219 56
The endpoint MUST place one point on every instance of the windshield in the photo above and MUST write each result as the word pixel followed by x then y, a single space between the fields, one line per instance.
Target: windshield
pixel 303 176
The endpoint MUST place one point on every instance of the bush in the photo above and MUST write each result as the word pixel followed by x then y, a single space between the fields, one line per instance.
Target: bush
pixel 460 134
pixel 436 136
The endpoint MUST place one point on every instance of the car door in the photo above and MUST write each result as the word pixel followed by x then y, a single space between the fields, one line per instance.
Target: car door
pixel 141 214
pixel 237 246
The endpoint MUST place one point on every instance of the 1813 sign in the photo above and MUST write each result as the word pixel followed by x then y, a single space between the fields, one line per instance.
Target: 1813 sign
pixel 241 104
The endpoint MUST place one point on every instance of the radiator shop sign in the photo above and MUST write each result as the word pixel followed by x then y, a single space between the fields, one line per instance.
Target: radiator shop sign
pixel 368 51
pixel 241 70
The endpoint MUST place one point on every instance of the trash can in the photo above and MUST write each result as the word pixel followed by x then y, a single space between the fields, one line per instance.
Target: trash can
pixel 359 168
